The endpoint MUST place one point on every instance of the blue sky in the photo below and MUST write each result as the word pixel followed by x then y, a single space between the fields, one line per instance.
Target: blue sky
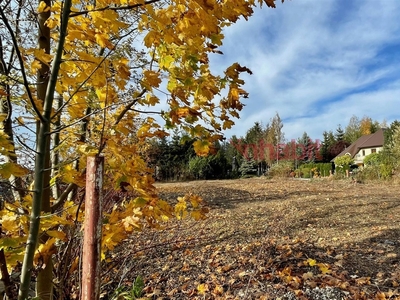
pixel 317 63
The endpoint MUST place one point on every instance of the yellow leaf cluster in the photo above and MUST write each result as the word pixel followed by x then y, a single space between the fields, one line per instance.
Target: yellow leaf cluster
pixel 44 252
pixel 6 147
pixel 100 83
pixel 10 168
pixel 43 7
pixel 197 212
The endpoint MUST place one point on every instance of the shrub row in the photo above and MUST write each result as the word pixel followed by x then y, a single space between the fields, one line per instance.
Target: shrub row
pixel 310 170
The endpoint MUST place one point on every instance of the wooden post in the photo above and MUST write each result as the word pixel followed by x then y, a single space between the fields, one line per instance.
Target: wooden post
pixel 92 229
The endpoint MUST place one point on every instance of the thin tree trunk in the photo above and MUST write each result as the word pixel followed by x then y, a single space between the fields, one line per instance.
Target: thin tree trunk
pixel 44 283
pixel 5 277
pixel 55 158
pixel 92 235
pixel 41 185
pixel 82 138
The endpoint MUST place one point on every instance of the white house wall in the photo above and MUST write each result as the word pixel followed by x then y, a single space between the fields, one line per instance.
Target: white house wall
pixel 359 157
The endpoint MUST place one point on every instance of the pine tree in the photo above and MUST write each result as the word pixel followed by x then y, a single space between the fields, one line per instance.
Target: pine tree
pixel 328 141
pixel 339 135
pixel 248 166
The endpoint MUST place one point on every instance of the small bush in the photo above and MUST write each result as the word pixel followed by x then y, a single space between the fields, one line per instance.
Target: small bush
pixel 281 169
pixel 368 173
pixel 307 173
pixel 133 293
pixel 372 159
pixel 374 172
pixel 343 163
pixel 386 171
pixel 325 169
pixel 298 173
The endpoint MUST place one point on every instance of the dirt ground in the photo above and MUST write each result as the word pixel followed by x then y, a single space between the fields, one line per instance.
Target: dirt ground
pixel 273 239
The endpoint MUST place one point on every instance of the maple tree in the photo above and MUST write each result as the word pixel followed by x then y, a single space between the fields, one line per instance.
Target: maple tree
pixel 83 85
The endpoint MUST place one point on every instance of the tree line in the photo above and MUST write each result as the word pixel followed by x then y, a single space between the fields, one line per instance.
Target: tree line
pixel 262 147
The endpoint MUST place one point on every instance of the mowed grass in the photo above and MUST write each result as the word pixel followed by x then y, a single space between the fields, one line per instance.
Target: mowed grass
pixel 270 237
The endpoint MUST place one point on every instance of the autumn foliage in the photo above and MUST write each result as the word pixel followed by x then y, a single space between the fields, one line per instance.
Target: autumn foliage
pixel 102 78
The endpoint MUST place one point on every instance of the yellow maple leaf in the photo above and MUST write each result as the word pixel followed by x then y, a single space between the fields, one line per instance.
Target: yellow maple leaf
pixel 52 22
pixel 103 40
pixel 199 214
pixel 152 38
pixel 324 268
pixel 35 66
pixel 195 200
pixel 182 112
pixel 152 78
pixel 144 131
pixel 228 124
pixel 42 56
pixel 202 288
pixel 130 223
pixel 202 148
pixel 166 61
pixel 152 100
pixel 88 150
pixel 311 262
pixel 8 222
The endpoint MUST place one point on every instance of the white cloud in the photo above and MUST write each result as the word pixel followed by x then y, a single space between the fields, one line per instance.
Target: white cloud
pixel 317 63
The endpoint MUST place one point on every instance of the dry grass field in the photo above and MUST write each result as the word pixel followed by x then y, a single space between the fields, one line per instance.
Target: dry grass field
pixel 273 239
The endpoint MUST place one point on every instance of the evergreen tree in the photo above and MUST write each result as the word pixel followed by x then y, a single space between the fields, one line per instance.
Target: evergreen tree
pixel 328 141
pixel 306 148
pixel 339 135
pixel 254 134
pixel 324 147
pixel 254 138
pixel 234 153
pixel 248 167
pixel 391 149
pixel 388 134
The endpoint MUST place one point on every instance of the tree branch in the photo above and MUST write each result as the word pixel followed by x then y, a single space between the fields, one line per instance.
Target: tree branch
pixel 129 106
pixel 115 8
pixel 21 62
pixel 147 112
pixel 60 201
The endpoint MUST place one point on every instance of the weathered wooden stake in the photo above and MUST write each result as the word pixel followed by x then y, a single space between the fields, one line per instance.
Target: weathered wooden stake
pixel 92 229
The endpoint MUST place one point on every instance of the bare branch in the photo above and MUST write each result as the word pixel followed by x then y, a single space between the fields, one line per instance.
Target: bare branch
pixel 60 201
pixel 115 8
pixel 147 112
pixel 129 106
pixel 24 144
pixel 21 62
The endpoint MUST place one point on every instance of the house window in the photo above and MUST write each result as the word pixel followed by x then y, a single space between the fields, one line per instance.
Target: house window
pixel 363 152
pixel 373 150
